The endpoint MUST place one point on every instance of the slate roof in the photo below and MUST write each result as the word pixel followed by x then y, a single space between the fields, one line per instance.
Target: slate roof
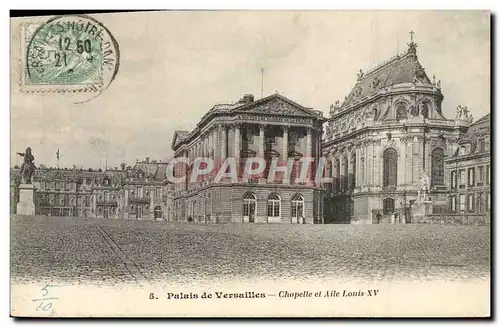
pixel 400 69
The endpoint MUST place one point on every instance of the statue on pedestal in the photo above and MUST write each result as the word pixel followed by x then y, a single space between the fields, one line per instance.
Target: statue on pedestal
pixel 28 167
pixel 423 191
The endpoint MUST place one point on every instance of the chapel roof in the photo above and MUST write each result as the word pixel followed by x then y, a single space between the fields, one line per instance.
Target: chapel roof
pixel 400 69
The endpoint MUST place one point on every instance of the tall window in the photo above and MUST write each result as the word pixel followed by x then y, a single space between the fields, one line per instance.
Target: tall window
pixel 488 202
pixel 453 203
pixel 337 175
pixel 470 202
pixel 480 203
pixel 488 174
pixel 297 206
pixel 437 170
pixel 462 202
pixel 480 174
pixel 273 205
pixel 66 200
pixel 388 205
pixel 453 178
pixel 462 177
pixel 471 178
pixel 249 204
pixel 390 167
pixel 482 145
pixel 346 175
pixel 353 178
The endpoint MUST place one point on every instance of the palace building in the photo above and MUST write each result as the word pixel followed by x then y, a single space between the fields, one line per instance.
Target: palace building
pixel 468 171
pixel 388 133
pixel 272 128
pixel 139 192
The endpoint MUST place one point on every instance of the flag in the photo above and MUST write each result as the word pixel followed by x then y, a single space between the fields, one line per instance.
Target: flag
pixel 57 154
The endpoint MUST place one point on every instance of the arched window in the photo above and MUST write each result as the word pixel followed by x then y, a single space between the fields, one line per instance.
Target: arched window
pixel 437 168
pixel 401 111
pixel 390 167
pixel 249 204
pixel 353 177
pixel 297 206
pixel 273 205
pixel 388 205
pixel 158 212
pixel 345 174
pixel 337 175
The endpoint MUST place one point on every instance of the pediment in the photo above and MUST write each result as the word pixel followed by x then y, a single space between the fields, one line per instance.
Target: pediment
pixel 276 105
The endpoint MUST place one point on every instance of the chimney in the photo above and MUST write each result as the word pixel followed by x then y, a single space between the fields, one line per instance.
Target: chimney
pixel 248 98
pixel 147 159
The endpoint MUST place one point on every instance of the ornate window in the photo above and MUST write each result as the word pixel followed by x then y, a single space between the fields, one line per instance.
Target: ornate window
pixel 388 205
pixel 273 205
pixel 401 111
pixel 297 206
pixel 437 168
pixel 249 204
pixel 390 167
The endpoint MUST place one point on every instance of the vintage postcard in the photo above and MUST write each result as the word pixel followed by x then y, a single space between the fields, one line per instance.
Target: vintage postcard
pixel 251 164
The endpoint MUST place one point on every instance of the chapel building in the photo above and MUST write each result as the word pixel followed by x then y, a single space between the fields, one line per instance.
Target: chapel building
pixel 387 137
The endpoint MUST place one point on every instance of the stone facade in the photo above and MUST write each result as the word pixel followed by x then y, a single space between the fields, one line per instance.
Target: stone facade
pixel 468 171
pixel 98 194
pixel 272 128
pixel 379 141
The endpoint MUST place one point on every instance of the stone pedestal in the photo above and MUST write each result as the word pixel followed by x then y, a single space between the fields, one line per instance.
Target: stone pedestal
pixel 421 210
pixel 26 205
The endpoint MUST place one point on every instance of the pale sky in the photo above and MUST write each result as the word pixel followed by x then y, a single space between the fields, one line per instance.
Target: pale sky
pixel 176 65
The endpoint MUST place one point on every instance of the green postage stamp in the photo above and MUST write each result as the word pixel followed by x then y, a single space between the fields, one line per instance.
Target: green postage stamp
pixel 73 53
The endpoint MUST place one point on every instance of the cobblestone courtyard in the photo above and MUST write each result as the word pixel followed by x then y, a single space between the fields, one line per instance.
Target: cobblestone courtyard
pixel 102 251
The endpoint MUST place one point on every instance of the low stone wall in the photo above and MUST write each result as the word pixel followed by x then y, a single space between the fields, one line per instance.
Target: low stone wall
pixel 454 219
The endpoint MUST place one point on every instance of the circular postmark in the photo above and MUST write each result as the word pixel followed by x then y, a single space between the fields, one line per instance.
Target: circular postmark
pixel 72 53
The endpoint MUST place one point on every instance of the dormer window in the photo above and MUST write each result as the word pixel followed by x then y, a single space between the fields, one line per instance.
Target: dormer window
pixel 462 150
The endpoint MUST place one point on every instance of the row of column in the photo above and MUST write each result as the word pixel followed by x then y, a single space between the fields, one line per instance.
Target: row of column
pixel 214 144
pixel 217 140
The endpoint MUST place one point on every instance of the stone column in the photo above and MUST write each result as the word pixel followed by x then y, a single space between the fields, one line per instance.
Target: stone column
pixel 369 163
pixel 216 147
pixel 377 171
pixel 262 128
pixel 237 146
pixel 309 142
pixel 285 143
pixel 409 157
pixel 223 143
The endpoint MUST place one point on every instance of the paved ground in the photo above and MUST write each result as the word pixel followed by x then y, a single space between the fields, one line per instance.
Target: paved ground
pixel 97 251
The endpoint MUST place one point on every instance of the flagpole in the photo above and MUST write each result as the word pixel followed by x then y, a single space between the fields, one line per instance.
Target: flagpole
pixel 57 155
